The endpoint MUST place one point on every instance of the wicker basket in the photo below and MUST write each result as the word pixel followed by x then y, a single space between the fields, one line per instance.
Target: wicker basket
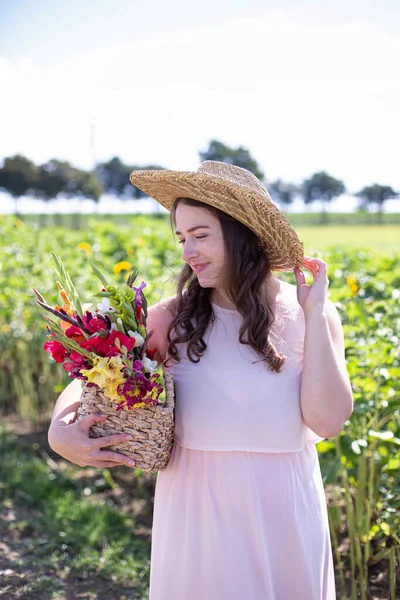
pixel 152 427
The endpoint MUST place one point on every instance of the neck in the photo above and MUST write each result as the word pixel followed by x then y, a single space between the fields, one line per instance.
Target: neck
pixel 271 289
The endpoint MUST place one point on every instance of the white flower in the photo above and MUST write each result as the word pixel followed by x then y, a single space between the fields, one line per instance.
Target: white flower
pixel 104 305
pixel 139 340
pixel 149 365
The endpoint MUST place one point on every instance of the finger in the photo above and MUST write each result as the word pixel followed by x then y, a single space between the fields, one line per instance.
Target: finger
pixel 300 278
pixel 314 259
pixel 109 465
pixel 92 419
pixel 315 263
pixel 73 408
pixel 110 440
pixel 112 457
pixel 313 268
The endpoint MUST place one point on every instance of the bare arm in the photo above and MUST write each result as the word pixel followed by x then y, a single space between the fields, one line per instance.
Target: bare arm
pixel 326 396
pixel 68 399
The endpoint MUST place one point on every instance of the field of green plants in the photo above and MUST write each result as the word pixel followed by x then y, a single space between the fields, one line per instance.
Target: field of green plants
pixel 86 530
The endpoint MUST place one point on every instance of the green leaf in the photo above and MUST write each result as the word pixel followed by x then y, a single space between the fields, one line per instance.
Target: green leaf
pixel 67 284
pixel 98 274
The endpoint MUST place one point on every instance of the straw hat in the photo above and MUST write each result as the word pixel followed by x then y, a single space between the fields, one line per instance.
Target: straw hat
pixel 236 192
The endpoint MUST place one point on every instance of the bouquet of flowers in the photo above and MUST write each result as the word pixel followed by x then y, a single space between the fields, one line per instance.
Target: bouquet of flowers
pixel 106 348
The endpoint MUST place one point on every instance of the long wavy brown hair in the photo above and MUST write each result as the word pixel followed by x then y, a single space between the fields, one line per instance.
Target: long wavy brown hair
pixel 248 275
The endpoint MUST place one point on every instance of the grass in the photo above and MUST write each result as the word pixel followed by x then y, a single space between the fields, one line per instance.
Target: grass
pixel 65 528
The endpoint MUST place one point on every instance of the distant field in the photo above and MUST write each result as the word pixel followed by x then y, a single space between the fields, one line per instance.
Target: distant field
pixel 297 219
pixel 350 230
pixel 374 237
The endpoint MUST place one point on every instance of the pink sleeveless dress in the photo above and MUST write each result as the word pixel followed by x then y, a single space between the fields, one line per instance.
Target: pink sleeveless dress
pixel 240 511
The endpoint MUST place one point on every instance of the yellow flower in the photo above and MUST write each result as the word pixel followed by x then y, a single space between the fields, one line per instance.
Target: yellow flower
pixel 352 283
pixel 107 374
pixel 130 251
pixel 123 265
pixel 139 241
pixel 351 280
pixel 86 248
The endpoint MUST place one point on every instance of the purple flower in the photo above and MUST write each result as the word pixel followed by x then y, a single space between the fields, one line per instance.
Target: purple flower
pixel 137 365
pixel 134 391
pixel 138 295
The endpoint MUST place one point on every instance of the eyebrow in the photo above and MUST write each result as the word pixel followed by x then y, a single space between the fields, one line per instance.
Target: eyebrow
pixel 194 228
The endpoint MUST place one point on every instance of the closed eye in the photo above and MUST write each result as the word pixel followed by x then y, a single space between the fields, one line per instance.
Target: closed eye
pixel 198 237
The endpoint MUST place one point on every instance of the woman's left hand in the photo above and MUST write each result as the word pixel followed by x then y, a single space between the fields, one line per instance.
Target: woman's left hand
pixel 312 297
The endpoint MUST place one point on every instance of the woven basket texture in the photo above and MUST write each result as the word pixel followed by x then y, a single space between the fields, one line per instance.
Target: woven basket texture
pixel 236 192
pixel 152 427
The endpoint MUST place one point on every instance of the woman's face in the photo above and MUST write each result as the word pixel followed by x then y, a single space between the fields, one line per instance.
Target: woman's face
pixel 200 234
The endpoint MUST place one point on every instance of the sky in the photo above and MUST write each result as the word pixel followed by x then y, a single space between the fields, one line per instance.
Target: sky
pixel 304 86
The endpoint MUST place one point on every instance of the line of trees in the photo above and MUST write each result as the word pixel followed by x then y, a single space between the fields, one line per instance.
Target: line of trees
pixel 19 177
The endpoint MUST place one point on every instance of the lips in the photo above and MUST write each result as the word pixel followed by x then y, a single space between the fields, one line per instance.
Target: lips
pixel 200 267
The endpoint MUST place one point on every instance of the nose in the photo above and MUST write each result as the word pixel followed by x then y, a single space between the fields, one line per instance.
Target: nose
pixel 189 250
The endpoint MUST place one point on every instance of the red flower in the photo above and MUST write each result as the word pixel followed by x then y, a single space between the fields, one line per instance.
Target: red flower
pixel 74 333
pixel 75 364
pixel 151 353
pixel 106 346
pixel 124 340
pixel 93 324
pixel 56 349
pixel 100 346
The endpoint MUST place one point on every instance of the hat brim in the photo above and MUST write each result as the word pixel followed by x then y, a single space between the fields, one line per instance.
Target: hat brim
pixel 255 210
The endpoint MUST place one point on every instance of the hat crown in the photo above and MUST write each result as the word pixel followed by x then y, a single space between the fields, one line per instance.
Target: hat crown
pixel 233 174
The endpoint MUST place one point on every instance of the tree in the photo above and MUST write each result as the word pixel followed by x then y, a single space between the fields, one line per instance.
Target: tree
pixel 282 192
pixel 240 157
pixel 114 177
pixel 59 177
pixel 18 177
pixel 324 187
pixel 377 194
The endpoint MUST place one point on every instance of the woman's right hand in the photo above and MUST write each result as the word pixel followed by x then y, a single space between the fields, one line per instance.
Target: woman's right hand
pixel 71 441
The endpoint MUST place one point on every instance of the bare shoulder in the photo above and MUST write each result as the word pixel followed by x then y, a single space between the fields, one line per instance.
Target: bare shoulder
pixel 159 319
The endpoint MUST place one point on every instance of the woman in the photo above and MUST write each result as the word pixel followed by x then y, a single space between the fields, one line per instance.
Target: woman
pixel 260 378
